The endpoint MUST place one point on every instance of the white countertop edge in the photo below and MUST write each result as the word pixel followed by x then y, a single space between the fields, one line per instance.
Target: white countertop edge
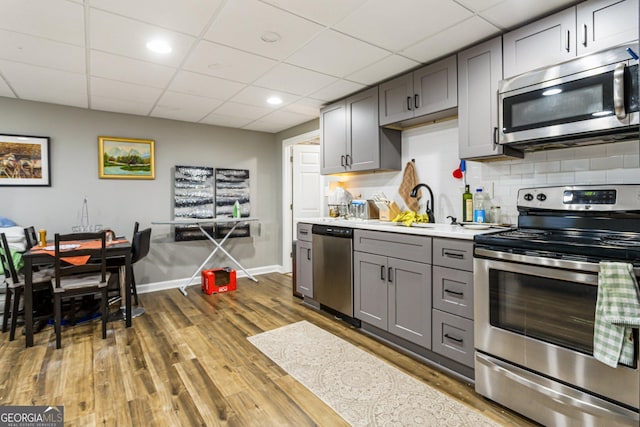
pixel 438 230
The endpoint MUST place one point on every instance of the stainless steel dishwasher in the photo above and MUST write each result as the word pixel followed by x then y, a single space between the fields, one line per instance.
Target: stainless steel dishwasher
pixel 333 267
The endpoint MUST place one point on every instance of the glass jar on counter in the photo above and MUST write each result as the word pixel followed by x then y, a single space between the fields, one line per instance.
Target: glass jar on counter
pixel 495 215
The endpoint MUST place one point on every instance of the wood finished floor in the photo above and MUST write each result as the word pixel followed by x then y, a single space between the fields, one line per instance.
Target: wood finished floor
pixel 187 362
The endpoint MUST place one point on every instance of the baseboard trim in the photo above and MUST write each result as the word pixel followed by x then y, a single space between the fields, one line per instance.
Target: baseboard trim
pixel 174 284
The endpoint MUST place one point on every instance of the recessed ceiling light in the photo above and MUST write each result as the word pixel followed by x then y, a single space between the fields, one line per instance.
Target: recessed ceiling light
pixel 159 46
pixel 270 37
pixel 274 100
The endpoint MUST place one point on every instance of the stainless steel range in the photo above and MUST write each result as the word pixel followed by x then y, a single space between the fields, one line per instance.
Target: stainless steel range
pixel 535 292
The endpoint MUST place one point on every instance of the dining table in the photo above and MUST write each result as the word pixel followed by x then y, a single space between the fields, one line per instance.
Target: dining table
pixel 118 253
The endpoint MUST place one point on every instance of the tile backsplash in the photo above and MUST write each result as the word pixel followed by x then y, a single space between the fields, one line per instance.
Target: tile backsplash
pixel 435 151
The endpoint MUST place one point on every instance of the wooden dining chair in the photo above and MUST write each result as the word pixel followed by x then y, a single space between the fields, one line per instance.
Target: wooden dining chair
pixel 31 237
pixel 74 278
pixel 140 246
pixel 41 280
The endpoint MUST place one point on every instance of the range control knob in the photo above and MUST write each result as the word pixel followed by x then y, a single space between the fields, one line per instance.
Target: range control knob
pixel 528 197
pixel 542 197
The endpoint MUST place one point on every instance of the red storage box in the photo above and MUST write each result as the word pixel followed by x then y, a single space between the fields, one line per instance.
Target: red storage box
pixel 218 280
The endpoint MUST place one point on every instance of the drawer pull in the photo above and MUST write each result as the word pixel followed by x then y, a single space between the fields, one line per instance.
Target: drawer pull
pixel 455 255
pixel 458 340
pixel 303 231
pixel 458 294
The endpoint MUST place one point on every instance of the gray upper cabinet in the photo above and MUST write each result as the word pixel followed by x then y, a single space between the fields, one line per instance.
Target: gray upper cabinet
pixel 352 140
pixel 479 72
pixel 544 42
pixel 586 28
pixel 428 90
pixel 606 23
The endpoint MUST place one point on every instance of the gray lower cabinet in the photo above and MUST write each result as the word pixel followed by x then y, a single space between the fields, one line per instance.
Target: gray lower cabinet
pixel 304 261
pixel 452 334
pixel 390 293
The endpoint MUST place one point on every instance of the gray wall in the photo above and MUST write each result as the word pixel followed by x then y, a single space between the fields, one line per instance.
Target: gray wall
pixel 118 203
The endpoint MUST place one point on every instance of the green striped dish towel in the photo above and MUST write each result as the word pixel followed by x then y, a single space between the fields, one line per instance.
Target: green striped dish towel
pixel 617 312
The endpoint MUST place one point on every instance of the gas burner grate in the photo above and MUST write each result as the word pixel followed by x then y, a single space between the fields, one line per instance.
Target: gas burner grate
pixel 525 234
pixel 622 241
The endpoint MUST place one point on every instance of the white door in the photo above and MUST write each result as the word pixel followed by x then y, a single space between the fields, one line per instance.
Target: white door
pixel 306 183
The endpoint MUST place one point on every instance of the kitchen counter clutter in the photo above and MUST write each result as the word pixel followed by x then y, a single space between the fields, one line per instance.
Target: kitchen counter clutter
pixel 419 229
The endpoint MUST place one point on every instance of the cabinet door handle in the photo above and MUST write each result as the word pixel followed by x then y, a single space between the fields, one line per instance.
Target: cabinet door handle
pixel 455 255
pixel 348 157
pixel 456 293
pixel 382 273
pixel 495 137
pixel 584 35
pixel 416 101
pixel 390 275
pixel 309 254
pixel 409 103
pixel 342 160
pixel 568 48
pixel 459 340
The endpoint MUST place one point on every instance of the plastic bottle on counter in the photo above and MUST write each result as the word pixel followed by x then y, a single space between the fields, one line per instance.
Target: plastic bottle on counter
pixel 467 205
pixel 236 210
pixel 479 206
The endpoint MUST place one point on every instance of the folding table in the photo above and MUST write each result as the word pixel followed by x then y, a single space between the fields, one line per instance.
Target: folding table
pixel 234 222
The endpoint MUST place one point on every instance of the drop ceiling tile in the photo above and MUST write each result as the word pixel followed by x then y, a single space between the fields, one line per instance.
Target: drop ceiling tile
pixel 5 90
pixel 479 5
pixel 452 39
pixel 186 16
pixel 245 111
pixel 241 23
pixel 114 89
pixel 336 54
pixel 43 52
pixel 58 20
pixel 339 89
pixel 383 69
pixel 286 119
pixel 326 12
pixel 180 106
pixel 201 85
pixel 45 84
pixel 226 121
pixel 124 106
pixel 292 79
pixel 394 25
pixel 257 96
pixel 116 67
pixel 512 13
pixel 227 63
pixel 264 126
pixel 305 106
pixel 131 37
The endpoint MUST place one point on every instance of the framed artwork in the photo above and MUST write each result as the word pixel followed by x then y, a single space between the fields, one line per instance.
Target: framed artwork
pixel 126 158
pixel 193 198
pixel 232 185
pixel 24 161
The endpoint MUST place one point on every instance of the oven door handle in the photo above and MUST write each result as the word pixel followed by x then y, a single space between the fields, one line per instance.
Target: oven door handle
pixel 534 383
pixel 560 269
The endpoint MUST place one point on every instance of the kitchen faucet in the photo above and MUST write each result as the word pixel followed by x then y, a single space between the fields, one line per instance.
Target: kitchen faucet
pixel 429 208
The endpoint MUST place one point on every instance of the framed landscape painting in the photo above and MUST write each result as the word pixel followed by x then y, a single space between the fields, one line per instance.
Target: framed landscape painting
pixel 126 158
pixel 24 161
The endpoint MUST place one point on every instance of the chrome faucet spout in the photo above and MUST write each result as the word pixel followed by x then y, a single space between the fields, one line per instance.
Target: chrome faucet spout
pixel 430 208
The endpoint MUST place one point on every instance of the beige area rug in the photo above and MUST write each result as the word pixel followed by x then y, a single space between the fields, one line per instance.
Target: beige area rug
pixel 363 389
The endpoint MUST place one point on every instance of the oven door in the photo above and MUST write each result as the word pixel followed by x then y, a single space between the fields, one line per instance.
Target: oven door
pixel 541 318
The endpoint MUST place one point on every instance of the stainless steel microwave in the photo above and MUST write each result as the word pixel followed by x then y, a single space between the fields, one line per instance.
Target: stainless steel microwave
pixel 588 100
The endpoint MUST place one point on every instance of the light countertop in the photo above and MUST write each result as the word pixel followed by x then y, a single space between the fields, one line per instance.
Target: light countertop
pixel 433 230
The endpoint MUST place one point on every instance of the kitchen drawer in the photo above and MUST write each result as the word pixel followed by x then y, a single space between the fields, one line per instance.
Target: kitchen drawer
pixel 403 246
pixel 452 337
pixel 453 291
pixel 453 253
pixel 304 232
